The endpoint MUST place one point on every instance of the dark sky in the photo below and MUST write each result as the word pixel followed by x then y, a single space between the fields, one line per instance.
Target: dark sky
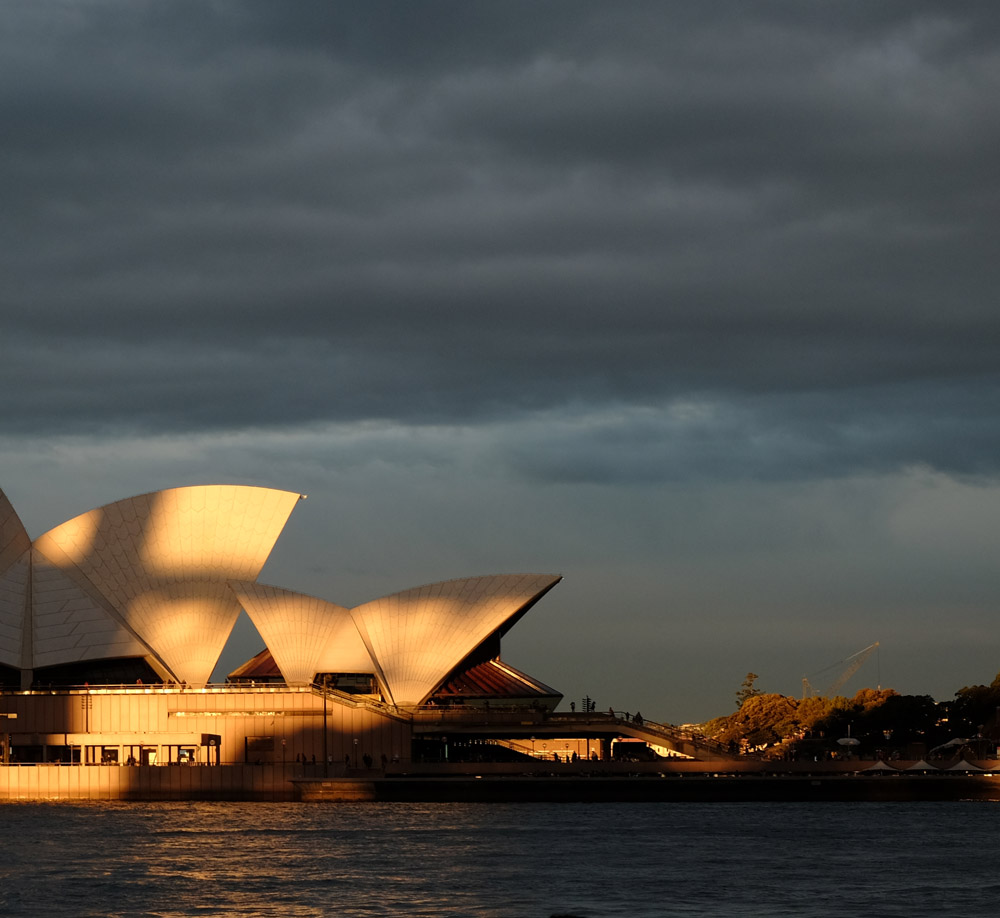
pixel 693 303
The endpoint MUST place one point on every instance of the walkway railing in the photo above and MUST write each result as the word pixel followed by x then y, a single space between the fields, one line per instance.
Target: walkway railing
pixel 356 701
pixel 521 716
pixel 676 736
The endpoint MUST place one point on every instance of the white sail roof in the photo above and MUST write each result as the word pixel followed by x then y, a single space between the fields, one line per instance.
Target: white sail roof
pixel 14 566
pixel 420 635
pixel 305 635
pixel 162 561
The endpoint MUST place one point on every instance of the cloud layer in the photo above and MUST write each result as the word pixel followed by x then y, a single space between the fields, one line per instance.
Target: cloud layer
pixel 641 250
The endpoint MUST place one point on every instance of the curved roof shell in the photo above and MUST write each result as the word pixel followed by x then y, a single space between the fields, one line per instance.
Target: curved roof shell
pixel 418 636
pixel 14 571
pixel 305 635
pixel 157 565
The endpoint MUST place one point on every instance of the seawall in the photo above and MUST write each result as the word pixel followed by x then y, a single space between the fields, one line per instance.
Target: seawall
pixel 69 783
pixel 145 782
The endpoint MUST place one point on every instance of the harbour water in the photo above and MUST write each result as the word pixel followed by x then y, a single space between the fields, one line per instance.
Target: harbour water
pixel 502 860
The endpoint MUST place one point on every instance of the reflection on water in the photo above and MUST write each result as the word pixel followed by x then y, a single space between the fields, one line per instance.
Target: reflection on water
pixel 511 860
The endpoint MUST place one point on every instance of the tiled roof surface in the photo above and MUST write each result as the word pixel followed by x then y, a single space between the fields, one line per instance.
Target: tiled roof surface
pixel 494 679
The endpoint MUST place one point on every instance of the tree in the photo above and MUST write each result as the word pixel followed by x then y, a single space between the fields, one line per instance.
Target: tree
pixel 747 690
pixel 976 708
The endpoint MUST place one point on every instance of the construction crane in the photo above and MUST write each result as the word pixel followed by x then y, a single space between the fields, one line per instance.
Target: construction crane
pixel 851 665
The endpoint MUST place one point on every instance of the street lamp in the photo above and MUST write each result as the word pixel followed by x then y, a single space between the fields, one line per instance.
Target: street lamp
pixel 326 751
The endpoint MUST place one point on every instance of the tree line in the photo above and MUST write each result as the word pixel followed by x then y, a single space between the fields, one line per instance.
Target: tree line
pixel 875 722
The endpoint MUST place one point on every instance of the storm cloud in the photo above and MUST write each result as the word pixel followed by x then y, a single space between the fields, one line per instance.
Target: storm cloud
pixel 445 265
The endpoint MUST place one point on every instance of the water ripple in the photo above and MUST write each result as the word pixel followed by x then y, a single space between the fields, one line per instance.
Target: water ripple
pixel 498 860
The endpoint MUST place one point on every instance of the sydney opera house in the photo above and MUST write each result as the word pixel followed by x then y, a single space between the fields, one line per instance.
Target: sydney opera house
pixel 112 623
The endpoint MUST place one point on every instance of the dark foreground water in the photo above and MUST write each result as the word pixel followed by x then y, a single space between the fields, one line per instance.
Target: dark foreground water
pixel 883 860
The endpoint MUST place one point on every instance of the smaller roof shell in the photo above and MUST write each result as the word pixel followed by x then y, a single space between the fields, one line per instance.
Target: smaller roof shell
pixel 419 636
pixel 305 635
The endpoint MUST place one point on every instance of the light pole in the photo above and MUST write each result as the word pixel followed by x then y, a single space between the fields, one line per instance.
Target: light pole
pixel 326 752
